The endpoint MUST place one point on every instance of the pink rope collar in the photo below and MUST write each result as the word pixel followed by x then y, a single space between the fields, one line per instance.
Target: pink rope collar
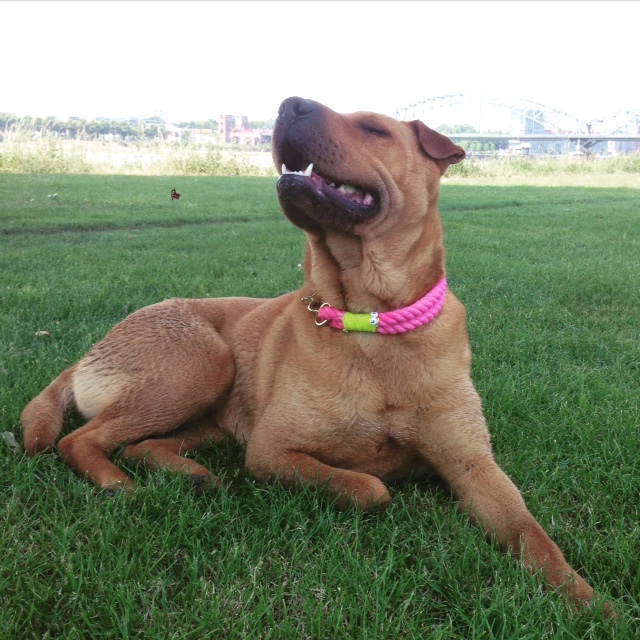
pixel 389 322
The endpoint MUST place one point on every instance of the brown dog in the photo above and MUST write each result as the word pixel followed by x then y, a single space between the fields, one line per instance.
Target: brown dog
pixel 349 410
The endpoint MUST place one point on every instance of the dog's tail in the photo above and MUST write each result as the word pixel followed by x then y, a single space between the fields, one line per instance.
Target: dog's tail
pixel 42 418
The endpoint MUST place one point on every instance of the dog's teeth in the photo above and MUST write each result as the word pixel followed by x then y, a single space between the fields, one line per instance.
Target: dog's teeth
pixel 298 173
pixel 342 189
pixel 349 188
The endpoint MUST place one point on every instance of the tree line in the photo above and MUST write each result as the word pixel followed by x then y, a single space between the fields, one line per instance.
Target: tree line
pixel 80 128
pixel 126 130
pixel 473 145
pixel 147 129
pixel 213 124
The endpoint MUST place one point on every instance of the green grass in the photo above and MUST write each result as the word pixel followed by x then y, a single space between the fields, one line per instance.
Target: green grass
pixel 550 277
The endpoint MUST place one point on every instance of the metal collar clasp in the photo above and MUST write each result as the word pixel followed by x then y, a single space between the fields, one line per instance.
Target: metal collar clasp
pixel 311 300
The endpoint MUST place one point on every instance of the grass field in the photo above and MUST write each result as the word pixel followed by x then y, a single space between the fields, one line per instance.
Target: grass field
pixel 550 278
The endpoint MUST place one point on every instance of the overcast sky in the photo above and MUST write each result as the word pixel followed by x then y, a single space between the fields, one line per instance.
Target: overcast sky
pixel 196 60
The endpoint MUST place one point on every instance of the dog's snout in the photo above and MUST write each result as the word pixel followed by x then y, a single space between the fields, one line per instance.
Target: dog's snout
pixel 293 108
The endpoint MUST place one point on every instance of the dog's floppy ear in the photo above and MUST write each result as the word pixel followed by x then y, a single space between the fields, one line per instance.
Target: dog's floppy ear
pixel 443 150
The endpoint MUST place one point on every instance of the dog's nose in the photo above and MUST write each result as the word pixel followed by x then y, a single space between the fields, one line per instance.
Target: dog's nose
pixel 293 108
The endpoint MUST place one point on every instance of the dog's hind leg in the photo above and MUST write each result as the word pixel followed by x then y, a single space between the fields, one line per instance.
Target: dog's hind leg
pixel 168 453
pixel 87 450
pixel 155 408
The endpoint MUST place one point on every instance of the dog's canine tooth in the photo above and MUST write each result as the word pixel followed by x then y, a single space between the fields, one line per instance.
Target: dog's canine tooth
pixel 346 188
pixel 306 172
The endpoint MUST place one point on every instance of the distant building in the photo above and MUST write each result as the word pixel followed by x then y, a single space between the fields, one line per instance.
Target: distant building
pixel 228 124
pixel 235 130
pixel 202 135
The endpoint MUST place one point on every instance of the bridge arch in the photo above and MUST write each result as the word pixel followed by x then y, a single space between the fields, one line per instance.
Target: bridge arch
pixel 515 116
pixel 620 122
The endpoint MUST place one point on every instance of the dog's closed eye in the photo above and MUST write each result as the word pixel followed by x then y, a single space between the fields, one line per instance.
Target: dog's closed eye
pixel 369 128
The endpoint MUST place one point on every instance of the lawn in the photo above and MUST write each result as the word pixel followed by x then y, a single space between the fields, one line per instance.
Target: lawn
pixel 550 277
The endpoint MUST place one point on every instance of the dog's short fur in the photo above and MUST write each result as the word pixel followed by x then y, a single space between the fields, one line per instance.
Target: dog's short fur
pixel 349 411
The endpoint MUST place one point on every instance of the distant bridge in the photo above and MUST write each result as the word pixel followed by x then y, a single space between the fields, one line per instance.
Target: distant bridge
pixel 522 119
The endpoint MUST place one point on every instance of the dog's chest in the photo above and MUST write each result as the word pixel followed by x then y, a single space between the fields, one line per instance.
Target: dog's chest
pixel 349 404
pixel 367 417
pixel 369 438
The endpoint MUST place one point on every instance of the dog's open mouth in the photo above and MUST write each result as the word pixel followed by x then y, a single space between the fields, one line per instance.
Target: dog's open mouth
pixel 345 190
pixel 340 204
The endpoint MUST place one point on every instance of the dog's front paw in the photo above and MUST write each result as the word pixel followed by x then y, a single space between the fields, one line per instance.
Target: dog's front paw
pixel 368 495
pixel 204 484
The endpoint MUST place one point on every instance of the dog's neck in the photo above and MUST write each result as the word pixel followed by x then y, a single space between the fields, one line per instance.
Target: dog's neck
pixel 361 274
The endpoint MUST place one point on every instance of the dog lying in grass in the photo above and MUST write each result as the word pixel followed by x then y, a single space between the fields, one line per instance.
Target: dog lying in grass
pixel 359 378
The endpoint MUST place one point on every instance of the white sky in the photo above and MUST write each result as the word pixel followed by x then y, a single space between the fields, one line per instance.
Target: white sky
pixel 196 60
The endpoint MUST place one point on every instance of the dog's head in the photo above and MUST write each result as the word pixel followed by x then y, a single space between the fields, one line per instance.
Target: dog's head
pixel 348 172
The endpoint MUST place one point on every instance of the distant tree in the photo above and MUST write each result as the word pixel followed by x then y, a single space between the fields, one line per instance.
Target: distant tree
pixel 463 128
pixel 69 128
pixel 262 124
pixel 93 129
pixel 8 120
pixel 500 144
pixel 151 131
pixel 209 124
pixel 201 124
pixel 48 122
pixel 448 129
